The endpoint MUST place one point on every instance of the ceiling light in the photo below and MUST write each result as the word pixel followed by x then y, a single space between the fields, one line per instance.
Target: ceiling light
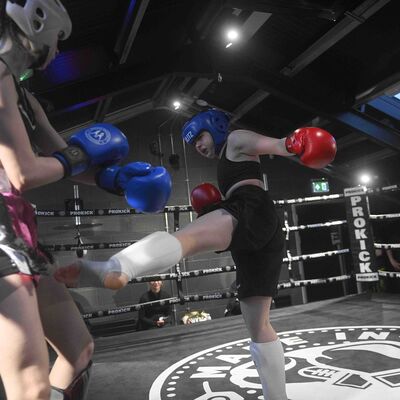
pixel 232 34
pixel 177 105
pixel 365 178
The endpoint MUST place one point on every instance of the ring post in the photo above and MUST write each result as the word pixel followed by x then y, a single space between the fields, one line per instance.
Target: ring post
pixel 360 234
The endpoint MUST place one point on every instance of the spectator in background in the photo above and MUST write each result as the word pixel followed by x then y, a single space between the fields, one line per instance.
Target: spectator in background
pixel 387 231
pixel 157 315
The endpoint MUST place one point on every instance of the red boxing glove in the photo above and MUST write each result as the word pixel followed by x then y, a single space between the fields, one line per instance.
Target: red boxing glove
pixel 203 195
pixel 315 146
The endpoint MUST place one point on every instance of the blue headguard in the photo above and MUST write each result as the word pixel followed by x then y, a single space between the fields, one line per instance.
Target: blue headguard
pixel 214 121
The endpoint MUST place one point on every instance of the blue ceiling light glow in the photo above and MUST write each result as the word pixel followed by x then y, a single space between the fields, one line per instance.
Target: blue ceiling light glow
pixel 83 104
pixel 130 10
pixel 65 67
pixel 74 65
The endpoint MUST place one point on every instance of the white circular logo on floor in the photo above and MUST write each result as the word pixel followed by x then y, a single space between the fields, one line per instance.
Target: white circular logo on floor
pixel 354 362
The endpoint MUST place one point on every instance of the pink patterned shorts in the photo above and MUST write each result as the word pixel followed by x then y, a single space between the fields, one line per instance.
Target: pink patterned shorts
pixel 19 238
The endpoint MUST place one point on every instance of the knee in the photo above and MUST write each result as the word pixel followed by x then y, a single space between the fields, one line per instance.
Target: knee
pixel 39 390
pixel 84 357
pixel 263 333
pixel 87 354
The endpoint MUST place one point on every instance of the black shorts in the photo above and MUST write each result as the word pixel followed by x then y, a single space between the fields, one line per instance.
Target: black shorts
pixel 257 245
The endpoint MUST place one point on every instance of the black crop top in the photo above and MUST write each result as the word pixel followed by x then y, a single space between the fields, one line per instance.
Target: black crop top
pixel 230 172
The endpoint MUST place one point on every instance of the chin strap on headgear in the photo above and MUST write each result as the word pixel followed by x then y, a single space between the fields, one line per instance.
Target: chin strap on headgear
pixel 213 121
pixel 43 22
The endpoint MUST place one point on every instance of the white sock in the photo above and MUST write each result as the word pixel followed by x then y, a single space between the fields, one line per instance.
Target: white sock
pixel 270 363
pixel 153 254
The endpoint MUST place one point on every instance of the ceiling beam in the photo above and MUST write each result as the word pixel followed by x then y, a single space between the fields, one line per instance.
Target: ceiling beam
pixel 109 84
pixel 350 21
pixel 371 129
pixel 388 105
pixel 132 111
pixel 130 27
pixel 256 98
pixel 253 23
pixel 288 7
pixel 390 85
pixel 349 140
pixel 102 109
pixel 368 159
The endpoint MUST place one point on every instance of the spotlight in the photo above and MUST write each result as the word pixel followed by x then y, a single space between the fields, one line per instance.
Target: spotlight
pixel 365 178
pixel 177 105
pixel 232 36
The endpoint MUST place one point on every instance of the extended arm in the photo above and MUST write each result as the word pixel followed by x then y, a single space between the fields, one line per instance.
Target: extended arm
pixel 254 144
pixel 315 147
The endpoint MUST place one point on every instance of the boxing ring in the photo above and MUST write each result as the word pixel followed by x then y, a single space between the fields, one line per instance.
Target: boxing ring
pixel 346 347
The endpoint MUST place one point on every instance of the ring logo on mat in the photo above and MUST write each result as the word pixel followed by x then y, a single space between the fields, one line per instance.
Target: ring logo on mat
pixel 360 362
pixel 98 135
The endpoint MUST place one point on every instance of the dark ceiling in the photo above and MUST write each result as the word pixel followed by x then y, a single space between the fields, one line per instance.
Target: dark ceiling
pixel 328 63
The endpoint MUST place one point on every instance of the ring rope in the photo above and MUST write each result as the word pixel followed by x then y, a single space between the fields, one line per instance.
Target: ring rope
pixel 222 295
pixel 104 212
pixel 317 255
pixel 123 244
pixel 313 226
pixel 387 245
pixel 188 208
pixel 389 274
pixel 205 297
pixel 87 246
pixel 384 216
pixel 308 282
pixel 230 268
pixel 309 199
pixel 184 274
pixel 170 300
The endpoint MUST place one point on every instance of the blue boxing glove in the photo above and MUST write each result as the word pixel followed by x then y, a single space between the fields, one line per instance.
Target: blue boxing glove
pixel 100 144
pixel 146 188
pixel 115 179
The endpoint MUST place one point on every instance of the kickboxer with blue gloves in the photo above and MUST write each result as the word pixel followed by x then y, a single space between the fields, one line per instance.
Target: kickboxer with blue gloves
pixel 34 307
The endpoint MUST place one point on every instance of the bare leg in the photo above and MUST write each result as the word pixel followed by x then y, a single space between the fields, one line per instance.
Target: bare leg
pixel 65 331
pixel 154 253
pixel 24 363
pixel 211 232
pixel 265 347
pixel 255 311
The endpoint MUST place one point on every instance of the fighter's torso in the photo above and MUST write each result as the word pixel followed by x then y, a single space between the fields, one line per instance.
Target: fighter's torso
pixel 237 169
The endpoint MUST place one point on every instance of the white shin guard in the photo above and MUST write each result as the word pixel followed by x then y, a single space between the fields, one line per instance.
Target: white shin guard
pixel 154 253
pixel 270 363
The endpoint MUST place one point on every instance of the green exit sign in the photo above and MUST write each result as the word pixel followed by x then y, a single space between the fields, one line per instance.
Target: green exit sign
pixel 319 186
